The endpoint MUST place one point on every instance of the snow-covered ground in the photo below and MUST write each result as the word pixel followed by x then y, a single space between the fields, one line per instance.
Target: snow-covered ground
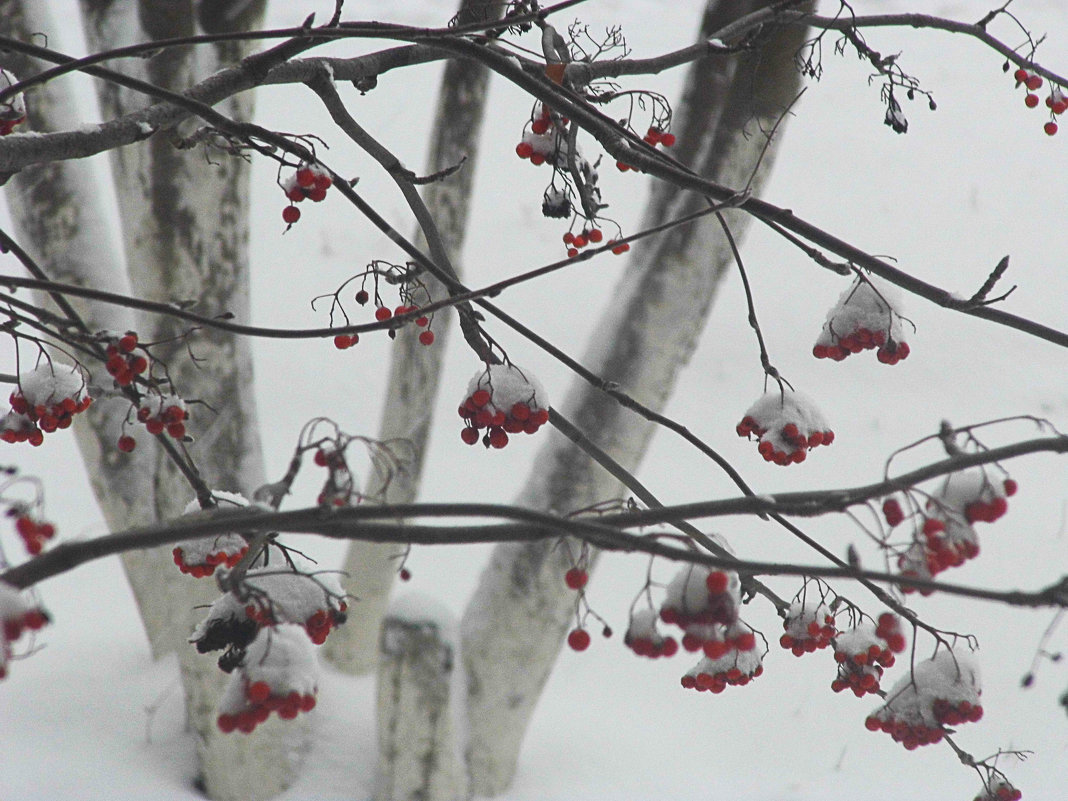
pixel 89 716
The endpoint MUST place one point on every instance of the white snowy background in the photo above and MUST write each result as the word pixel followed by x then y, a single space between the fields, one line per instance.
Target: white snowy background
pixel 90 716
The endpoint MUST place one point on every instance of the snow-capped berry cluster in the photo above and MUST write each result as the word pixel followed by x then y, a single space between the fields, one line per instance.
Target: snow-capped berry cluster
pixel 123 363
pixel 340 487
pixel 809 626
pixel 544 141
pixel 308 181
pixel 732 669
pixel 704 603
pixel 161 413
pixel 998 789
pixel 939 544
pixel 654 136
pixel 1056 100
pixel 787 424
pixel 939 692
pixel 503 400
pixel 974 496
pixel 17 615
pixel 644 639
pixel 284 596
pixel 34 533
pixel 46 400
pixel 277 674
pixel 201 556
pixel 864 318
pixel 13 111
pixel 863 652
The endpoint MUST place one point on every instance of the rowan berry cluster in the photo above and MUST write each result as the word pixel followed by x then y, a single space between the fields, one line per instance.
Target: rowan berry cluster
pixel 199 558
pixel 787 425
pixel 732 669
pixel 808 627
pixel 47 399
pixel 938 692
pixel 704 603
pixel 863 652
pixel 544 141
pixel 644 639
pixel 309 181
pixel 864 318
pixel 34 533
pixel 1056 100
pixel 277 674
pixel 17 615
pixel 13 111
pixel 503 400
pixel 939 544
pixel 123 364
pixel 999 789
pixel 161 413
pixel 654 136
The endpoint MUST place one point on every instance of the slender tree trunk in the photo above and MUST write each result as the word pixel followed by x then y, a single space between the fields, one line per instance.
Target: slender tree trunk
pixel 513 627
pixel 185 235
pixel 415 370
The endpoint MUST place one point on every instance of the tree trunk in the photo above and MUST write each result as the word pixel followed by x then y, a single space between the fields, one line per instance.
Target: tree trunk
pixel 415 370
pixel 514 624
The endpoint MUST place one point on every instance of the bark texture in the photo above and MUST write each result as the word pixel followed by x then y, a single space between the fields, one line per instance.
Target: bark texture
pixel 513 627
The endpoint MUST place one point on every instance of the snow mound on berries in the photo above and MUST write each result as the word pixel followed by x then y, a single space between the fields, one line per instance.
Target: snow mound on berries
pixel 948 676
pixel 282 657
pixel 864 305
pixel 197 551
pixel 508 385
pixel 49 383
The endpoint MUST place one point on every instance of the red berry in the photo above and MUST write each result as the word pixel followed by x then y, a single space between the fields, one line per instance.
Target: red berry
pixel 422 322
pixel 578 640
pixel 1034 82
pixel 126 443
pixel 405 574
pixel 595 235
pixel 1010 487
pixel 717 582
pixel 1050 128
pixel 154 426
pixel 362 297
pixel 342 341
pixel 1031 101
pixel 539 126
pixel 621 248
pixel 892 512
pixel 305 177
pixel 382 313
pixel 569 238
pixel 481 397
pixel 576 578
pixel 426 337
pixel 667 140
pixel 469 435
pixel 1020 75
pixel 524 150
pixel 128 342
pixel 290 214
pixel 498 438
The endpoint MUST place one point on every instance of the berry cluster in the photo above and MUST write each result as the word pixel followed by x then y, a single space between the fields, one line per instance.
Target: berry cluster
pixel 308 181
pixel 787 424
pixel 277 674
pixel 503 400
pixel 17 615
pixel 938 544
pixel 999 790
pixel 864 318
pixel 863 652
pixel 34 533
pixel 13 111
pixel 939 692
pixel 161 413
pixel 46 400
pixel 576 242
pixel 733 669
pixel 809 626
pixel 123 364
pixel 654 136
pixel 644 639
pixel 1056 100
pixel 704 604
pixel 199 558
pixel 544 141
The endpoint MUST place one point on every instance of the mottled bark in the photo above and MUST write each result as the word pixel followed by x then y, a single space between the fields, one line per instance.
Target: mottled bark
pixel 419 758
pixel 510 651
pixel 415 369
